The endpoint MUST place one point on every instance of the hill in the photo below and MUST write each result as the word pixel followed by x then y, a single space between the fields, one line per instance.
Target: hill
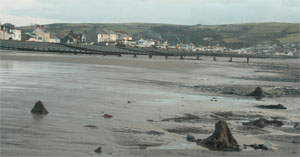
pixel 232 35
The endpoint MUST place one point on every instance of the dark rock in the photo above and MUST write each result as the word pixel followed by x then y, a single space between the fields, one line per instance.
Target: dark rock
pixel 186 130
pixel 221 139
pixel 152 132
pixel 98 150
pixel 190 138
pixel 107 116
pixel 259 146
pixel 90 126
pixel 297 125
pixel 186 118
pixel 262 122
pixel 257 93
pixel 39 108
pixel 279 106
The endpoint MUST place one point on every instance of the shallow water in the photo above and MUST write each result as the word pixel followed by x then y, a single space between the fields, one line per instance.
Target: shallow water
pixel 80 94
pixel 75 95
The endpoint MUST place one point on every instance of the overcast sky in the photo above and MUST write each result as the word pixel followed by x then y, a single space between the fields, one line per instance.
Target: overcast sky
pixel 187 12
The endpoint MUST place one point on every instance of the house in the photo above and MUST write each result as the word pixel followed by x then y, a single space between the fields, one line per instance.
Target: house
pixel 145 43
pixel 28 37
pixel 103 36
pixel 41 35
pixel 123 36
pixel 83 37
pixel 69 39
pixel 107 36
pixel 54 39
pixel 8 32
pixel 186 47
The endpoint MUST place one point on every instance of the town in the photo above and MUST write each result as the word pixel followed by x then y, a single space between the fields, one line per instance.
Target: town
pixel 121 39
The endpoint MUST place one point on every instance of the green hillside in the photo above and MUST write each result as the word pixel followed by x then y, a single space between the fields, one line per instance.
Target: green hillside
pixel 233 35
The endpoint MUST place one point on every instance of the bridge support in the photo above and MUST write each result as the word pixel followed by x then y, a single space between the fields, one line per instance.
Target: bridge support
pixel 215 59
pixel 230 60
pixel 134 55
pixel 248 59
pixel 198 57
pixel 181 57
pixel 166 57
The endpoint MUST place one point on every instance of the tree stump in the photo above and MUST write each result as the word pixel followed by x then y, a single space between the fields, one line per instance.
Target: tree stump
pixel 39 108
pixel 221 139
pixel 258 93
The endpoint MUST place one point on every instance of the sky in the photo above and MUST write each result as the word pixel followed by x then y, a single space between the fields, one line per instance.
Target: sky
pixel 185 12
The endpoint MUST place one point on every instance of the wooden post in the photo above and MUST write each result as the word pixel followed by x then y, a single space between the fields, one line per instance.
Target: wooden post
pixel 166 57
pixel 230 60
pixel 150 56
pixel 215 59
pixel 134 55
pixel 198 57
pixel 248 59
pixel 181 57
pixel 119 55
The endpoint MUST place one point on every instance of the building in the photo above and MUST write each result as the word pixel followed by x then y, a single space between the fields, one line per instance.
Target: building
pixel 103 36
pixel 54 39
pixel 123 36
pixel 107 36
pixel 83 37
pixel 145 43
pixel 41 35
pixel 69 39
pixel 8 32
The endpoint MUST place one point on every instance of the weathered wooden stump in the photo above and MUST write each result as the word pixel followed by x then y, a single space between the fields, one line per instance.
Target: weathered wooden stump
pixel 257 93
pixel 215 59
pixel 221 139
pixel 39 108
pixel 98 150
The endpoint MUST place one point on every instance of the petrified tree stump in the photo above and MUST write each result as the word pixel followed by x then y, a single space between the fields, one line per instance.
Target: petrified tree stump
pixel 221 139
pixel 98 150
pixel 258 93
pixel 39 108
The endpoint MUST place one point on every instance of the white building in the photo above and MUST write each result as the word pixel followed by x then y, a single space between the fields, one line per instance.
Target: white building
pixel 8 32
pixel 145 43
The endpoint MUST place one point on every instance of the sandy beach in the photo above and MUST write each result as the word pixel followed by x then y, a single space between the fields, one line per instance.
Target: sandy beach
pixel 154 104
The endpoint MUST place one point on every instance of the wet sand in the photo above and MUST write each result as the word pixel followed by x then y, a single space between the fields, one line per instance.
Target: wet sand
pixel 79 90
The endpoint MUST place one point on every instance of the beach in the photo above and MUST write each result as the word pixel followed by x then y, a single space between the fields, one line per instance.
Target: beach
pixel 154 104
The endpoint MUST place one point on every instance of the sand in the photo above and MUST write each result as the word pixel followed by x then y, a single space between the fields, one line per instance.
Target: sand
pixel 78 90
